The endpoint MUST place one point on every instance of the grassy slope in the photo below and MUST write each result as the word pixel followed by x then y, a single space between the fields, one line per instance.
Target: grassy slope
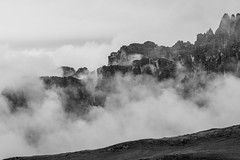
pixel 214 144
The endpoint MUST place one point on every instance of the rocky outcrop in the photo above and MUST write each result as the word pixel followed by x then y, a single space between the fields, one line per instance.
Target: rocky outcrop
pixel 228 29
pixel 81 72
pixel 147 58
pixel 217 52
pixel 220 52
pixel 67 71
pixel 134 51
pixel 109 71
pixel 74 95
pixel 71 72
pixel 206 38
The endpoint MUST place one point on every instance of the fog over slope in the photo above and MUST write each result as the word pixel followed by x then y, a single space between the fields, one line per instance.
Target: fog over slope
pixel 138 106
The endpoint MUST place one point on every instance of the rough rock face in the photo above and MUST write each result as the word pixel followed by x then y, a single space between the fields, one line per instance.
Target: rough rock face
pixel 68 71
pixel 220 52
pixel 109 71
pixel 73 92
pixel 134 51
pixel 81 72
pixel 147 58
pixel 204 39
pixel 160 68
pixel 229 29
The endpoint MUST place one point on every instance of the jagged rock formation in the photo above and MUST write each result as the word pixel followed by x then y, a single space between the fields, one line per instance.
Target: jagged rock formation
pixel 81 72
pixel 129 53
pixel 214 144
pixel 229 29
pixel 69 71
pixel 217 52
pixel 220 52
pixel 147 58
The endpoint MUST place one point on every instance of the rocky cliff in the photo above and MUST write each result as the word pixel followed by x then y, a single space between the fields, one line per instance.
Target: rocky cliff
pixel 213 53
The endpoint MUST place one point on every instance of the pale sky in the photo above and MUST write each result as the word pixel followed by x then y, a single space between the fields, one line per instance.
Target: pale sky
pixel 49 22
pixel 85 32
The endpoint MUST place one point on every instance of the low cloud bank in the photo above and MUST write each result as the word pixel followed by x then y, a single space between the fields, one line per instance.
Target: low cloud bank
pixel 140 107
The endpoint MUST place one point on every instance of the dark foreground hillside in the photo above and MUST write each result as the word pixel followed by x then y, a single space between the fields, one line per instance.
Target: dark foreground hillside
pixel 214 144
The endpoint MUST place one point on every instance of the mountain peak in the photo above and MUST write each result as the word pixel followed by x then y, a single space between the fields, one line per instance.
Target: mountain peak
pixel 210 32
pixel 233 17
pixel 229 29
pixel 225 23
pixel 225 15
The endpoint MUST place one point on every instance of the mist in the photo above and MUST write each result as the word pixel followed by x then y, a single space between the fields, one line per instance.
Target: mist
pixel 140 106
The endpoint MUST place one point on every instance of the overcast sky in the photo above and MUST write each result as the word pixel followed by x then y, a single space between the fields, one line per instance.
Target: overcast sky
pixel 49 22
pixel 56 23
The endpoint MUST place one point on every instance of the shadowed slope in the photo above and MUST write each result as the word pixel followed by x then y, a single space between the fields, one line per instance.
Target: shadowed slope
pixel 214 144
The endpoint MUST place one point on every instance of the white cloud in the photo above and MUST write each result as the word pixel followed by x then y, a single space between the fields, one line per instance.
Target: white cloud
pixel 139 109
